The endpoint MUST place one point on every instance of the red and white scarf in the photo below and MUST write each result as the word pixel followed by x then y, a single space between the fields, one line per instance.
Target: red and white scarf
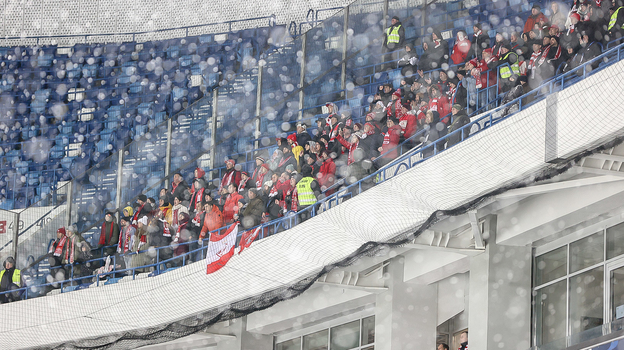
pixel 59 247
pixel 69 252
pixel 125 237
pixel 283 161
pixel 198 198
pixel 242 184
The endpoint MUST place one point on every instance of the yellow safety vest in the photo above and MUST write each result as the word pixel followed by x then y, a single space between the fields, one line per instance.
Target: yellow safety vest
pixel 17 276
pixel 614 18
pixel 505 72
pixel 393 36
pixel 304 192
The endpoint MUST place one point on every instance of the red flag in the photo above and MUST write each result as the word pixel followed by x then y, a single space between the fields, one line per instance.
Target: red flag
pixel 247 238
pixel 221 248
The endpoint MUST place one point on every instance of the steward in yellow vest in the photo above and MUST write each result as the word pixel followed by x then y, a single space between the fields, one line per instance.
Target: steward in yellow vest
pixel 394 36
pixel 10 279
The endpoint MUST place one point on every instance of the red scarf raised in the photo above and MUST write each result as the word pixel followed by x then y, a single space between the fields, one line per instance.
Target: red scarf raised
pixel 59 247
pixel 70 256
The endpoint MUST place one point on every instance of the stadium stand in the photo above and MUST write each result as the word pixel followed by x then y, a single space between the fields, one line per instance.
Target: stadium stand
pixel 331 107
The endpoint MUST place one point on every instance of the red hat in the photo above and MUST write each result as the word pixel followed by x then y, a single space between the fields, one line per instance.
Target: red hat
pixel 488 51
pixel 61 230
pixel 244 173
pixel 200 172
pixel 474 62
pixel 292 137
pixel 575 15
pixel 265 165
pixel 397 93
pixel 231 161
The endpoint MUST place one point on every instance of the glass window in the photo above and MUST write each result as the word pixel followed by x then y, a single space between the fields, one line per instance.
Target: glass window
pixel 316 341
pixel 615 241
pixel 586 300
pixel 550 266
pixel 368 330
pixel 550 312
pixel 586 252
pixel 293 344
pixel 345 337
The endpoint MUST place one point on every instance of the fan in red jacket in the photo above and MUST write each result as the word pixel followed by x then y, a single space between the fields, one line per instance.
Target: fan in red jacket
pixel 394 106
pixel 439 103
pixel 327 173
pixel 461 48
pixel 391 140
pixel 407 122
pixel 231 204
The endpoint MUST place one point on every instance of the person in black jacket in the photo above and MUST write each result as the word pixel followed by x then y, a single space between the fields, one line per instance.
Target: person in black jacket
pixel 588 51
pixel 438 50
pixel 9 282
pixel 409 62
pixel 302 134
pixel 178 188
pixel 480 41
pixel 458 120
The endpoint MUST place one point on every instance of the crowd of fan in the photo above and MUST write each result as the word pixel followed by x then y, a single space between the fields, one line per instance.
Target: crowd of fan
pixel 516 63
pixel 306 167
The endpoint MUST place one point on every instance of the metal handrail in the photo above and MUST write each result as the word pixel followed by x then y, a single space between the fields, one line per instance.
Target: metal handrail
pixel 271 23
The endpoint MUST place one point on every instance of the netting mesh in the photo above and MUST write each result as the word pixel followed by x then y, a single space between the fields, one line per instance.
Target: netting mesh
pixel 508 155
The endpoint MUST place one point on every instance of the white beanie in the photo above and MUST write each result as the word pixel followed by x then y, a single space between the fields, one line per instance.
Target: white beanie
pixel 143 220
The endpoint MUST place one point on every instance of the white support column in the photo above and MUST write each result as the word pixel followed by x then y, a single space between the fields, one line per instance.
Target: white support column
pixel 500 296
pixel 406 314
pixel 241 339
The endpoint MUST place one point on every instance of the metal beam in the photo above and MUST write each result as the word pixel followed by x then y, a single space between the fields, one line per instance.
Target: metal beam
pixel 168 150
pixel 16 220
pixel 304 42
pixel 556 186
pixel 462 251
pixel 350 286
pixel 604 156
pixel 343 72
pixel 70 199
pixel 120 161
pixel 476 231
pixel 600 171
pixel 258 105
